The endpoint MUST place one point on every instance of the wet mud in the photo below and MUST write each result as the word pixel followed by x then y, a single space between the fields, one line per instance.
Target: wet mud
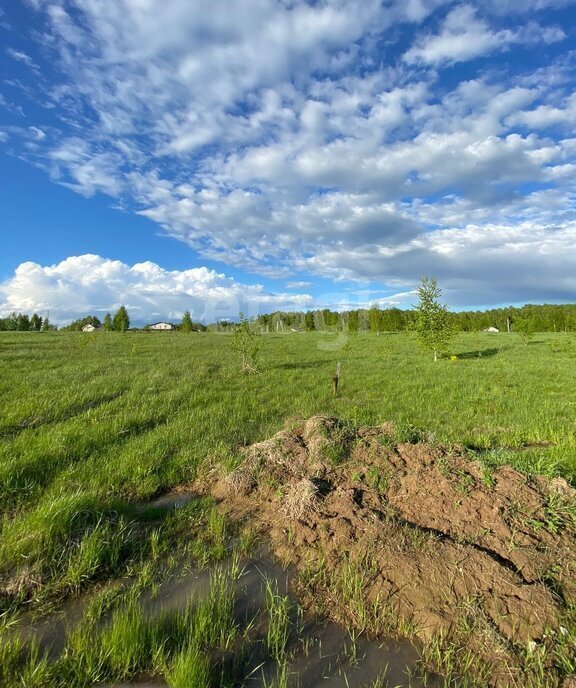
pixel 437 545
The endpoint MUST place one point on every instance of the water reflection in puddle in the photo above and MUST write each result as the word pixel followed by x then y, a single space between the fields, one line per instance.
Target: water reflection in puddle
pixel 324 654
pixel 319 654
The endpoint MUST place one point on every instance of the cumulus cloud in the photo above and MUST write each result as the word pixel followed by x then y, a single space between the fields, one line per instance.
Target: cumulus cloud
pixel 295 137
pixel 463 36
pixel 499 263
pixel 90 284
pixel 545 116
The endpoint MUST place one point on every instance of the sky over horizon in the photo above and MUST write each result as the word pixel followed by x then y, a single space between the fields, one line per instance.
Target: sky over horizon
pixel 224 156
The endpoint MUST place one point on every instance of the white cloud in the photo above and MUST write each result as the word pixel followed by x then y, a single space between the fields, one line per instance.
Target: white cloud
pixel 463 36
pixel 403 299
pixel 496 263
pixel 37 133
pixel 257 228
pixel 280 137
pixel 545 116
pixel 22 57
pixel 91 171
pixel 503 7
pixel 90 284
pixel 298 285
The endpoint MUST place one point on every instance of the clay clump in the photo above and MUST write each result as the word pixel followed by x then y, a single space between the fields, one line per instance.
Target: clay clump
pixel 418 539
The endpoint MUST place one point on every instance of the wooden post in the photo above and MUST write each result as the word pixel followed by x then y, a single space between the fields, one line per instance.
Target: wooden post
pixel 336 379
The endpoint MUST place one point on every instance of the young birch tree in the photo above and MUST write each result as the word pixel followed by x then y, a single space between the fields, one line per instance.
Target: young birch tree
pixel 246 343
pixel 433 326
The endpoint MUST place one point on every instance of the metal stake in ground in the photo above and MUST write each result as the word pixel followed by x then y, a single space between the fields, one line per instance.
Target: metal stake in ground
pixel 336 379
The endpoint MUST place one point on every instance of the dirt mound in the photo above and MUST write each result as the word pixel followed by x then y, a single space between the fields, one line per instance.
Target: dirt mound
pixel 421 540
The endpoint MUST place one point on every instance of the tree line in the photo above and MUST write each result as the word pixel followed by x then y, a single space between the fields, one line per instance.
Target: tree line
pixel 117 322
pixel 535 318
pixel 21 322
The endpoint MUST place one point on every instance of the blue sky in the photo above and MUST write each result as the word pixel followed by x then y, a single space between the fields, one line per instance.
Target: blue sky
pixel 225 156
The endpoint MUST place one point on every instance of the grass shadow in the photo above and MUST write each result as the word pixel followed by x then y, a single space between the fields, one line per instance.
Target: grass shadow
pixel 479 353
pixel 11 431
pixel 301 364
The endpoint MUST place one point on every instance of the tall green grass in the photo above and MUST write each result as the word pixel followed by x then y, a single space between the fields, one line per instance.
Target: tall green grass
pixel 129 641
pixel 72 541
pixel 201 645
pixel 278 609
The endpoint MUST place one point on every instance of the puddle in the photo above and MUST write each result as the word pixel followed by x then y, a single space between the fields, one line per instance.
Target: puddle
pixel 50 631
pixel 320 654
pixel 172 500
pixel 335 660
pixel 326 654
pixel 168 501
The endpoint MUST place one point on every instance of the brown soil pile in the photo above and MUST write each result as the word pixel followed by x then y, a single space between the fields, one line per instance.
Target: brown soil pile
pixel 421 540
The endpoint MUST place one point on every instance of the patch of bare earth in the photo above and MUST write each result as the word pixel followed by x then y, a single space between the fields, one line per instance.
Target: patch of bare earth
pixel 418 539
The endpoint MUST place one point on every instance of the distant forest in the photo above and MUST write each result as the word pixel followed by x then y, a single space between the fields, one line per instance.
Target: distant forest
pixel 535 318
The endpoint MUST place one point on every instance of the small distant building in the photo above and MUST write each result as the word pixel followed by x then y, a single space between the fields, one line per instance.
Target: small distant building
pixel 162 326
pixel 91 328
pixel 491 329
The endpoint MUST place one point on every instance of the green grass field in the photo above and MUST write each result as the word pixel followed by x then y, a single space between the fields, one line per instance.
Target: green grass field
pixel 88 421
pixel 92 425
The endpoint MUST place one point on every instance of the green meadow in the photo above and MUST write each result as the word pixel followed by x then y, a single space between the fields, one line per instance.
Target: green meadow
pixel 91 421
pixel 93 426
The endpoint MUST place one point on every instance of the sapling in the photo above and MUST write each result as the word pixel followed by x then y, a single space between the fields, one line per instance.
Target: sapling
pixel 526 328
pixel 434 329
pixel 247 344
